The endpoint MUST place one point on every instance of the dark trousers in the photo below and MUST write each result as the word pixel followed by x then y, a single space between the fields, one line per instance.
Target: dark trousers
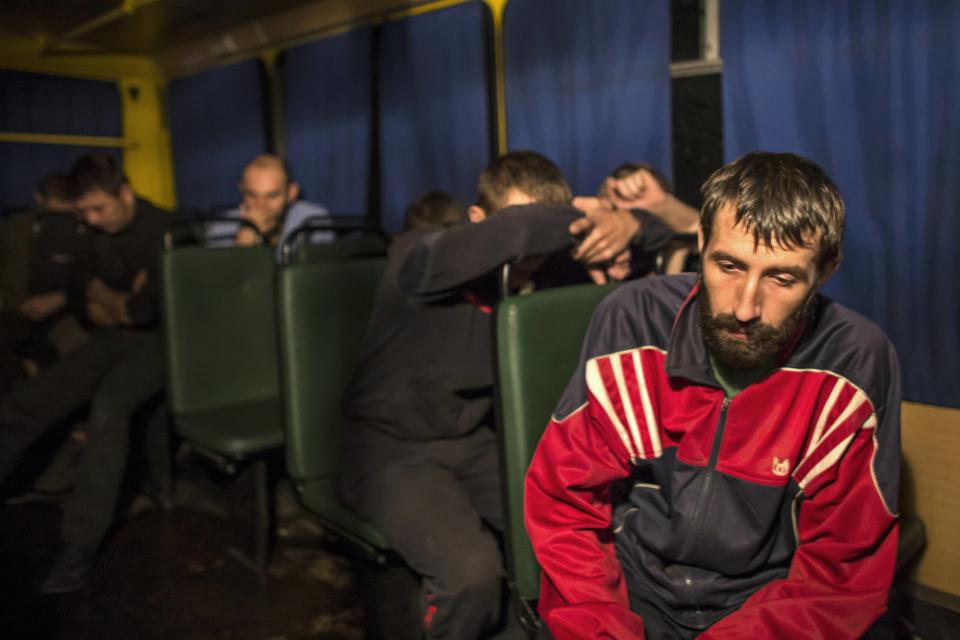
pixel 439 505
pixel 115 372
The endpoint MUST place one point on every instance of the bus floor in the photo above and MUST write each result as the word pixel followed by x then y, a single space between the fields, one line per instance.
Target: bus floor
pixel 175 575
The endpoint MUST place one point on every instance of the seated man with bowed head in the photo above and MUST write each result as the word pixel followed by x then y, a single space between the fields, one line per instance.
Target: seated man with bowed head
pixel 725 462
pixel 434 209
pixel 270 203
pixel 116 290
pixel 420 462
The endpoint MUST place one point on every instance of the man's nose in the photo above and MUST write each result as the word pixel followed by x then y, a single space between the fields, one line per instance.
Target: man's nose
pixel 747 306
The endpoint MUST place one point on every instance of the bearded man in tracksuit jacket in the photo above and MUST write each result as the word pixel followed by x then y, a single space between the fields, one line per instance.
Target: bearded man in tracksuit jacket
pixel 420 461
pixel 725 462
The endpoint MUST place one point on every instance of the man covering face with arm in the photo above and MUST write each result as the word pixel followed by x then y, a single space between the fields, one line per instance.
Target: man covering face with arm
pixel 421 458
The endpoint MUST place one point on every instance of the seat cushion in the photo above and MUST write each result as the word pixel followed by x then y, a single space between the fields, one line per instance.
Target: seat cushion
pixel 913 538
pixel 236 430
pixel 318 496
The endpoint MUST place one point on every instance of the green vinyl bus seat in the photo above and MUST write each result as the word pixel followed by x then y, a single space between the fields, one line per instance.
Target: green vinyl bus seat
pixel 538 338
pixel 219 321
pixel 223 384
pixel 323 308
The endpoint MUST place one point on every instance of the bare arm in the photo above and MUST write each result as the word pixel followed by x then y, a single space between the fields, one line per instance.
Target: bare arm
pixel 640 190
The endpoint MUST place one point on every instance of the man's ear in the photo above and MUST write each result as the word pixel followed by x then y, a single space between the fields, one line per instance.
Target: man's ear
pixel 293 192
pixel 827 271
pixel 700 245
pixel 476 214
pixel 126 195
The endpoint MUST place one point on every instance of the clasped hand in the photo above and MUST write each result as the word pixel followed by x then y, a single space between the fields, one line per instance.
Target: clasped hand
pixel 106 306
pixel 606 236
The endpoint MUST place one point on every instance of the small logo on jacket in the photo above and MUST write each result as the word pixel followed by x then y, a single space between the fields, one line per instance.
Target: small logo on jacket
pixel 781 467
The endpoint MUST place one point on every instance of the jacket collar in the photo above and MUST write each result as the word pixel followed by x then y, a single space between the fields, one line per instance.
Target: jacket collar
pixel 687 355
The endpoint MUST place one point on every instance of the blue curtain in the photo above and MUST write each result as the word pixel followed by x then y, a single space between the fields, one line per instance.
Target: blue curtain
pixel 217 124
pixel 869 90
pixel 39 103
pixel 588 84
pixel 434 121
pixel 327 101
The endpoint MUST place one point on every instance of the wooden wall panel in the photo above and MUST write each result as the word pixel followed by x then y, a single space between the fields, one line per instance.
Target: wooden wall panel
pixel 930 487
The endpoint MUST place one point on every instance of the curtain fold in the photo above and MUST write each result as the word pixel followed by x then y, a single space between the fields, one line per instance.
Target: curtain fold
pixel 434 120
pixel 867 89
pixel 217 124
pixel 328 112
pixel 588 84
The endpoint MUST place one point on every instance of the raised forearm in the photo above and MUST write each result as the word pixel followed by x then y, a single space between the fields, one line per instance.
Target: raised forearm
pixel 678 215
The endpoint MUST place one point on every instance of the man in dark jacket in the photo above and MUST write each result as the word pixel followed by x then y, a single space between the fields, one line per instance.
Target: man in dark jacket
pixel 37 329
pixel 119 369
pixel 725 462
pixel 421 461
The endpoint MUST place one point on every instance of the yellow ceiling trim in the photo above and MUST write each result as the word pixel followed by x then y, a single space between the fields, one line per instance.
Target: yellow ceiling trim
pixel 67 139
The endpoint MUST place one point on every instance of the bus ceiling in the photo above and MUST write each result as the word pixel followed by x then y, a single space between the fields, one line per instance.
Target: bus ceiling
pixel 183 36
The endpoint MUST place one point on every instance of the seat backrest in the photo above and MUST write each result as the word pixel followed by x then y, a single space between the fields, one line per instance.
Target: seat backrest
pixel 220 326
pixel 357 246
pixel 323 309
pixel 538 347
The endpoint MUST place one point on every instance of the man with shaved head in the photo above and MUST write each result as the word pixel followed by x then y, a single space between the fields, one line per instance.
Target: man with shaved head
pixel 270 203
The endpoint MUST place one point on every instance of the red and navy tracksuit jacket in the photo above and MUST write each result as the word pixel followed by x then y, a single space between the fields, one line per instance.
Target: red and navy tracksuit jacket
pixel 771 515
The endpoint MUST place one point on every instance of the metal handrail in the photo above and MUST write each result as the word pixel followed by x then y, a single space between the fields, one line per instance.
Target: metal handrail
pixel 314 224
pixel 169 240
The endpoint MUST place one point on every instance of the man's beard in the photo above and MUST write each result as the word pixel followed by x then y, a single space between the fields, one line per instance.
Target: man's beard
pixel 763 341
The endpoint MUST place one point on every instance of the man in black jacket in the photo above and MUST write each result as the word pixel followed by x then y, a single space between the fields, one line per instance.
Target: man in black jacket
pixel 116 290
pixel 421 461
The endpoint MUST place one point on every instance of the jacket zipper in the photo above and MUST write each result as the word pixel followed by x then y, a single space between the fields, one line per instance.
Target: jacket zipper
pixel 700 509
pixel 711 465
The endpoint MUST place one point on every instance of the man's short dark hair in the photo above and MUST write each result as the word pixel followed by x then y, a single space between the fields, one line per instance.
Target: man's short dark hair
pixel 781 198
pixel 527 171
pixel 53 186
pixel 628 168
pixel 437 209
pixel 95 171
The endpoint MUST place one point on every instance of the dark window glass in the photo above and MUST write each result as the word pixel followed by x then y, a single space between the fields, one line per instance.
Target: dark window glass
pixel 686 17
pixel 697 134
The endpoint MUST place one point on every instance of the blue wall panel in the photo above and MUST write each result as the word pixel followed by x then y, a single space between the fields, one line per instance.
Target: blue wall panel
pixel 41 103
